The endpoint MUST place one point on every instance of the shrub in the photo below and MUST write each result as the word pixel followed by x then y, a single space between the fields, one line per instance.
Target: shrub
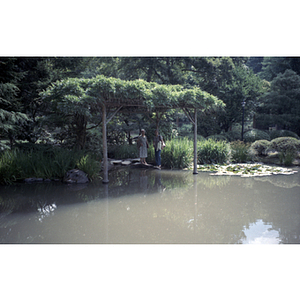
pixel 282 133
pixel 89 165
pixel 212 151
pixel 285 144
pixel 49 164
pixel 254 135
pixel 124 151
pixel 240 151
pixel 185 130
pixel 8 167
pixel 218 137
pixel 233 135
pixel 177 154
pixel 260 147
pixel 287 157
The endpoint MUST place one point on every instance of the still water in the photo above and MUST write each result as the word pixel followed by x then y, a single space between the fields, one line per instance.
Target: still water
pixel 154 206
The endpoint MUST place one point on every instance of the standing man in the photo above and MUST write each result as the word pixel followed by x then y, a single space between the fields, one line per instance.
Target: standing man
pixel 158 143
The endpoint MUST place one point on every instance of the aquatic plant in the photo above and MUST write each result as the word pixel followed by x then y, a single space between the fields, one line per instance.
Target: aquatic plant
pixel 246 170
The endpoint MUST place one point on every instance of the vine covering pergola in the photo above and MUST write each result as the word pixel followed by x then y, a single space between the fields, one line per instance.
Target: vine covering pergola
pixel 119 95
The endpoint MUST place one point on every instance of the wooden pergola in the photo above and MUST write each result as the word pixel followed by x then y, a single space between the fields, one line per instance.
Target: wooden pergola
pixel 119 95
pixel 102 93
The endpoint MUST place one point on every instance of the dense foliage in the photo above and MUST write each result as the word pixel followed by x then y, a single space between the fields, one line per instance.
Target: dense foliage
pixel 57 101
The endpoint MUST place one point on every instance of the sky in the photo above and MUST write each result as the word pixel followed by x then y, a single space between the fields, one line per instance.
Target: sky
pixel 159 28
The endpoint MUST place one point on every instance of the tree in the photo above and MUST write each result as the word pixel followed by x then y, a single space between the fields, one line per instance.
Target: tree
pixel 75 103
pixel 255 63
pixel 281 106
pixel 71 110
pixel 225 77
pixel 163 70
pixel 272 66
pixel 10 116
pixel 230 80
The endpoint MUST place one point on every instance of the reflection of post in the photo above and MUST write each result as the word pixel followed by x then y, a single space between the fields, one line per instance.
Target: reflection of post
pixel 196 205
pixel 106 197
pixel 143 180
pixel 195 142
pixel 104 139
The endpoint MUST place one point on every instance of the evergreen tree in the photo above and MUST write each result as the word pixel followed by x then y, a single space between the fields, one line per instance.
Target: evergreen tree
pixel 11 116
pixel 281 106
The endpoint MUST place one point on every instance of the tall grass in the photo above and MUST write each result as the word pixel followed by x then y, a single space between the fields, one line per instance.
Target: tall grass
pixel 240 152
pixel 177 154
pixel 213 151
pixel 49 164
pixel 123 151
pixel 89 165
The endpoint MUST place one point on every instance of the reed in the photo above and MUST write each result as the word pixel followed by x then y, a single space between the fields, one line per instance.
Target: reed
pixel 53 163
pixel 178 153
pixel 240 152
pixel 213 151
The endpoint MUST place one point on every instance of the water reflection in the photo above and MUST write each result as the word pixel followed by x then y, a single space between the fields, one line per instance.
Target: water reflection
pixel 261 233
pixel 154 206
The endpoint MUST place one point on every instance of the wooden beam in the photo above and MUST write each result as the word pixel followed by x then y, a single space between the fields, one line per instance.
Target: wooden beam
pixel 113 114
pixel 188 114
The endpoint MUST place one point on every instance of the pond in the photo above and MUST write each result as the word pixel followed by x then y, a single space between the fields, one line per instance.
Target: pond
pixel 141 206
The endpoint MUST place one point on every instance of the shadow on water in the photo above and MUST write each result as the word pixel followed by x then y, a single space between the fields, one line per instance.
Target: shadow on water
pixel 154 206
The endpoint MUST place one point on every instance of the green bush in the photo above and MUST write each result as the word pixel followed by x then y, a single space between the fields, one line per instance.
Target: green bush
pixel 177 154
pixel 212 151
pixel 260 147
pixel 287 157
pixel 255 135
pixel 218 137
pixel 123 151
pixel 282 133
pixel 89 165
pixel 48 164
pixel 240 152
pixel 185 130
pixel 233 135
pixel 284 144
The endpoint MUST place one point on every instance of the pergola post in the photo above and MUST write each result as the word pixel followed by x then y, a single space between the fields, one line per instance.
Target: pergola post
pixel 104 139
pixel 195 142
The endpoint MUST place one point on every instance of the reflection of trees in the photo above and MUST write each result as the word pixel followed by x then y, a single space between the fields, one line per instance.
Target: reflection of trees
pixel 285 181
pixel 173 207
pixel 220 215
